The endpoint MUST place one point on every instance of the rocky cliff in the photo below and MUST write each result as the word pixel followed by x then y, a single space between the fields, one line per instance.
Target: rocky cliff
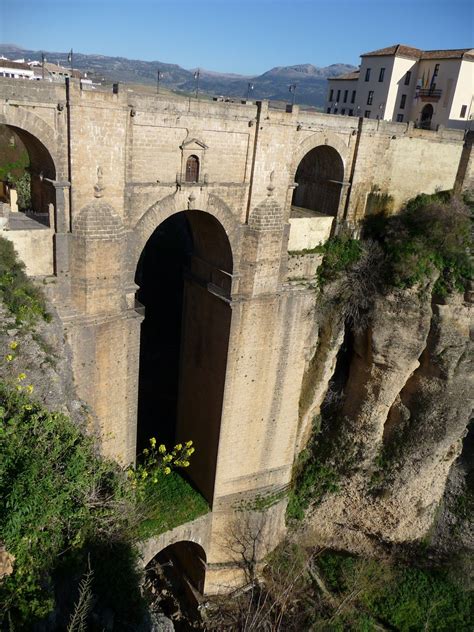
pixel 398 427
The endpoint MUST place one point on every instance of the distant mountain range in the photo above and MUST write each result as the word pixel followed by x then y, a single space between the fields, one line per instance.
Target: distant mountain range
pixel 310 80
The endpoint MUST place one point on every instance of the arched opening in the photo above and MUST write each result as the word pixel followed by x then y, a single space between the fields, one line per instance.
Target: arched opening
pixel 192 169
pixel 175 575
pixel 319 180
pixel 426 116
pixel 184 275
pixel 27 173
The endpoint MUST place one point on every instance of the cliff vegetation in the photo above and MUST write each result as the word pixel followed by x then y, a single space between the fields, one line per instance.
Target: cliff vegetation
pixel 70 520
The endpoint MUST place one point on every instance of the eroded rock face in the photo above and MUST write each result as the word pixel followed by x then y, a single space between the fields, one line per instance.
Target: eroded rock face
pixel 43 356
pixel 407 405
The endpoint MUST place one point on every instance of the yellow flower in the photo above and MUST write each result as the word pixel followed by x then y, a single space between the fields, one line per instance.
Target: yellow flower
pixel 146 451
pixel 144 474
pixel 9 357
pixel 14 344
pixel 28 407
pixel 190 451
pixel 153 442
pixel 162 449
pixel 22 376
pixel 167 458
pixel 167 470
pixel 185 463
pixel 189 444
pixel 179 446
pixel 30 388
pixel 19 387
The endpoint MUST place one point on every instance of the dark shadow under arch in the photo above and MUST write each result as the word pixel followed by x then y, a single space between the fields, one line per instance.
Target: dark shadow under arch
pixel 184 275
pixel 426 116
pixel 179 569
pixel 319 177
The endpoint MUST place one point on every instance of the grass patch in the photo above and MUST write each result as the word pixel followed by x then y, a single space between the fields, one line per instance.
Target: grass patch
pixel 169 503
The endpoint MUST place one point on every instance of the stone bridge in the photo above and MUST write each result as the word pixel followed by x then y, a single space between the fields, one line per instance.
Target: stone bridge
pixel 166 253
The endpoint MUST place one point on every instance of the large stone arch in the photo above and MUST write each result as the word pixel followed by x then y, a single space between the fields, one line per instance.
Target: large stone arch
pixel 189 199
pixel 184 287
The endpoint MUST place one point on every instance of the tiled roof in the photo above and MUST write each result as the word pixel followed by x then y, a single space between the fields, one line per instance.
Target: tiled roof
pixel 347 77
pixel 457 53
pixel 6 63
pixel 400 50
pixel 397 49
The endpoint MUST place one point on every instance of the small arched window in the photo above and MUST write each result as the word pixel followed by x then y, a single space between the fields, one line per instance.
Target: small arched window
pixel 192 169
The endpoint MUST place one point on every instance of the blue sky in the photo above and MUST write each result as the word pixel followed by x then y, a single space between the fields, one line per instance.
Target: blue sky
pixel 243 36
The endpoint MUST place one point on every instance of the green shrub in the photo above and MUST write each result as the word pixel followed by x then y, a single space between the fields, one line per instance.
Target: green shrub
pixel 56 495
pixel 433 234
pixel 312 479
pixel 404 598
pixel 17 292
pixel 22 185
pixel 340 254
pixel 64 509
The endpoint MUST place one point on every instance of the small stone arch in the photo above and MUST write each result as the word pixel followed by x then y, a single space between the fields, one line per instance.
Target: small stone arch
pixel 318 173
pixel 183 560
pixel 321 138
pixel 22 119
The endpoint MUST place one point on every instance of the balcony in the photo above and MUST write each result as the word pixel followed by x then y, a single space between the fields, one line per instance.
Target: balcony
pixel 429 95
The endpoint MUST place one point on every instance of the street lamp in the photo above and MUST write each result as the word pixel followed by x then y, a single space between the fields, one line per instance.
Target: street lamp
pixel 159 76
pixel 43 59
pixel 69 58
pixel 196 77
pixel 292 90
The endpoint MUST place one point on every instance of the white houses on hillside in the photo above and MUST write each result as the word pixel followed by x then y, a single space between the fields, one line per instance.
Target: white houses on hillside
pixel 401 83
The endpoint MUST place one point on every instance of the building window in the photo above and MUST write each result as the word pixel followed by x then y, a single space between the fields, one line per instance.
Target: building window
pixel 328 111
pixel 335 110
pixel 367 114
pixel 403 101
pixel 351 112
pixel 463 111
pixel 370 98
pixel 192 169
pixel 343 111
pixel 346 92
pixel 331 94
pixel 407 78
pixel 353 97
pixel 381 74
pixel 367 74
pixel 338 98
pixel 399 118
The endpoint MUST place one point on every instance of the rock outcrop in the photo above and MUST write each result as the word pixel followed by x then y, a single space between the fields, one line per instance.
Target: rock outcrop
pixel 406 408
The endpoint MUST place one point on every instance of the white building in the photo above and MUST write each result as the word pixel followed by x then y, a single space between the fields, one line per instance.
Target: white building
pixel 402 84
pixel 15 69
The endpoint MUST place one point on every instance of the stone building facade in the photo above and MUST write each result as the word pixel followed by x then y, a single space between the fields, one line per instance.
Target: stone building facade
pixel 401 83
